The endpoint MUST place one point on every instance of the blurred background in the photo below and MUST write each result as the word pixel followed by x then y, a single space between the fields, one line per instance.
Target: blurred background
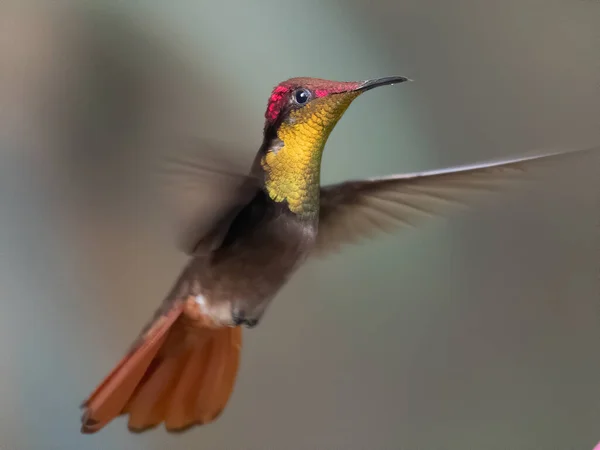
pixel 479 331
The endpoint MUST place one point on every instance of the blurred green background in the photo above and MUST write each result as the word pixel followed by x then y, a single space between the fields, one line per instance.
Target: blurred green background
pixel 480 331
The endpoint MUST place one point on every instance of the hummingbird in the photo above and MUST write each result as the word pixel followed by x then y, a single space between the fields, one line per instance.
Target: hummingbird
pixel 261 226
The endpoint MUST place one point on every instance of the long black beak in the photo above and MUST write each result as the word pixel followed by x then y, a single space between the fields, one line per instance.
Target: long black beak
pixel 371 84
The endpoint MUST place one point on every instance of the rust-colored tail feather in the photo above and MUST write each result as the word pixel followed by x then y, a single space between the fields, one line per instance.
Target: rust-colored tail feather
pixel 177 374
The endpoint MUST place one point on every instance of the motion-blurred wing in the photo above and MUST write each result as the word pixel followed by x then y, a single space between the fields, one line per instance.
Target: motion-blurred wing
pixel 354 210
pixel 202 189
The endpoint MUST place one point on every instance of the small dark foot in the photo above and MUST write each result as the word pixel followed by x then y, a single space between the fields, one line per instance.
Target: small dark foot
pixel 238 317
pixel 251 323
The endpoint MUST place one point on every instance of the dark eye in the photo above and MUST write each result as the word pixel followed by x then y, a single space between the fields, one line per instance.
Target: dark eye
pixel 301 96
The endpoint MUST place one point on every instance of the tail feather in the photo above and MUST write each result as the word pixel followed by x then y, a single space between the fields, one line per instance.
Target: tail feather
pixel 178 406
pixel 177 375
pixel 110 398
pixel 146 406
pixel 230 373
pixel 208 391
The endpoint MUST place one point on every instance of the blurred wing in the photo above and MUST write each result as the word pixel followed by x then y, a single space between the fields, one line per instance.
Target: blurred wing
pixel 202 189
pixel 354 210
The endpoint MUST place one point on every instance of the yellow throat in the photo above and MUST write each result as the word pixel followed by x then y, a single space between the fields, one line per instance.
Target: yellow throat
pixel 293 165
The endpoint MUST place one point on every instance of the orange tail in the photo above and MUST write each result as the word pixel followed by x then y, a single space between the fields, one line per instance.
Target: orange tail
pixel 178 374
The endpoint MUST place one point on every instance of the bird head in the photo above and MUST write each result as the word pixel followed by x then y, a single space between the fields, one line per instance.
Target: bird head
pixel 313 103
pixel 300 115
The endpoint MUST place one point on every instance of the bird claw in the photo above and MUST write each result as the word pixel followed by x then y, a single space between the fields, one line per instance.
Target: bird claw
pixel 238 318
pixel 251 323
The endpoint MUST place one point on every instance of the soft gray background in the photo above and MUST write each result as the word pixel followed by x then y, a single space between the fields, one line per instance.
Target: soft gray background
pixel 480 331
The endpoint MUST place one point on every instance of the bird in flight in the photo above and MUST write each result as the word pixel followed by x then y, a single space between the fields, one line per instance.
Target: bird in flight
pixel 247 231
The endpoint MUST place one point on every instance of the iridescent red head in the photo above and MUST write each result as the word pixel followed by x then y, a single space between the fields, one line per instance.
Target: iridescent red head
pixel 297 92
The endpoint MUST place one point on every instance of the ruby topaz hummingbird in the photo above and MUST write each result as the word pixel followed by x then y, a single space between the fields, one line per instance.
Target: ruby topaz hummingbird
pixel 262 225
